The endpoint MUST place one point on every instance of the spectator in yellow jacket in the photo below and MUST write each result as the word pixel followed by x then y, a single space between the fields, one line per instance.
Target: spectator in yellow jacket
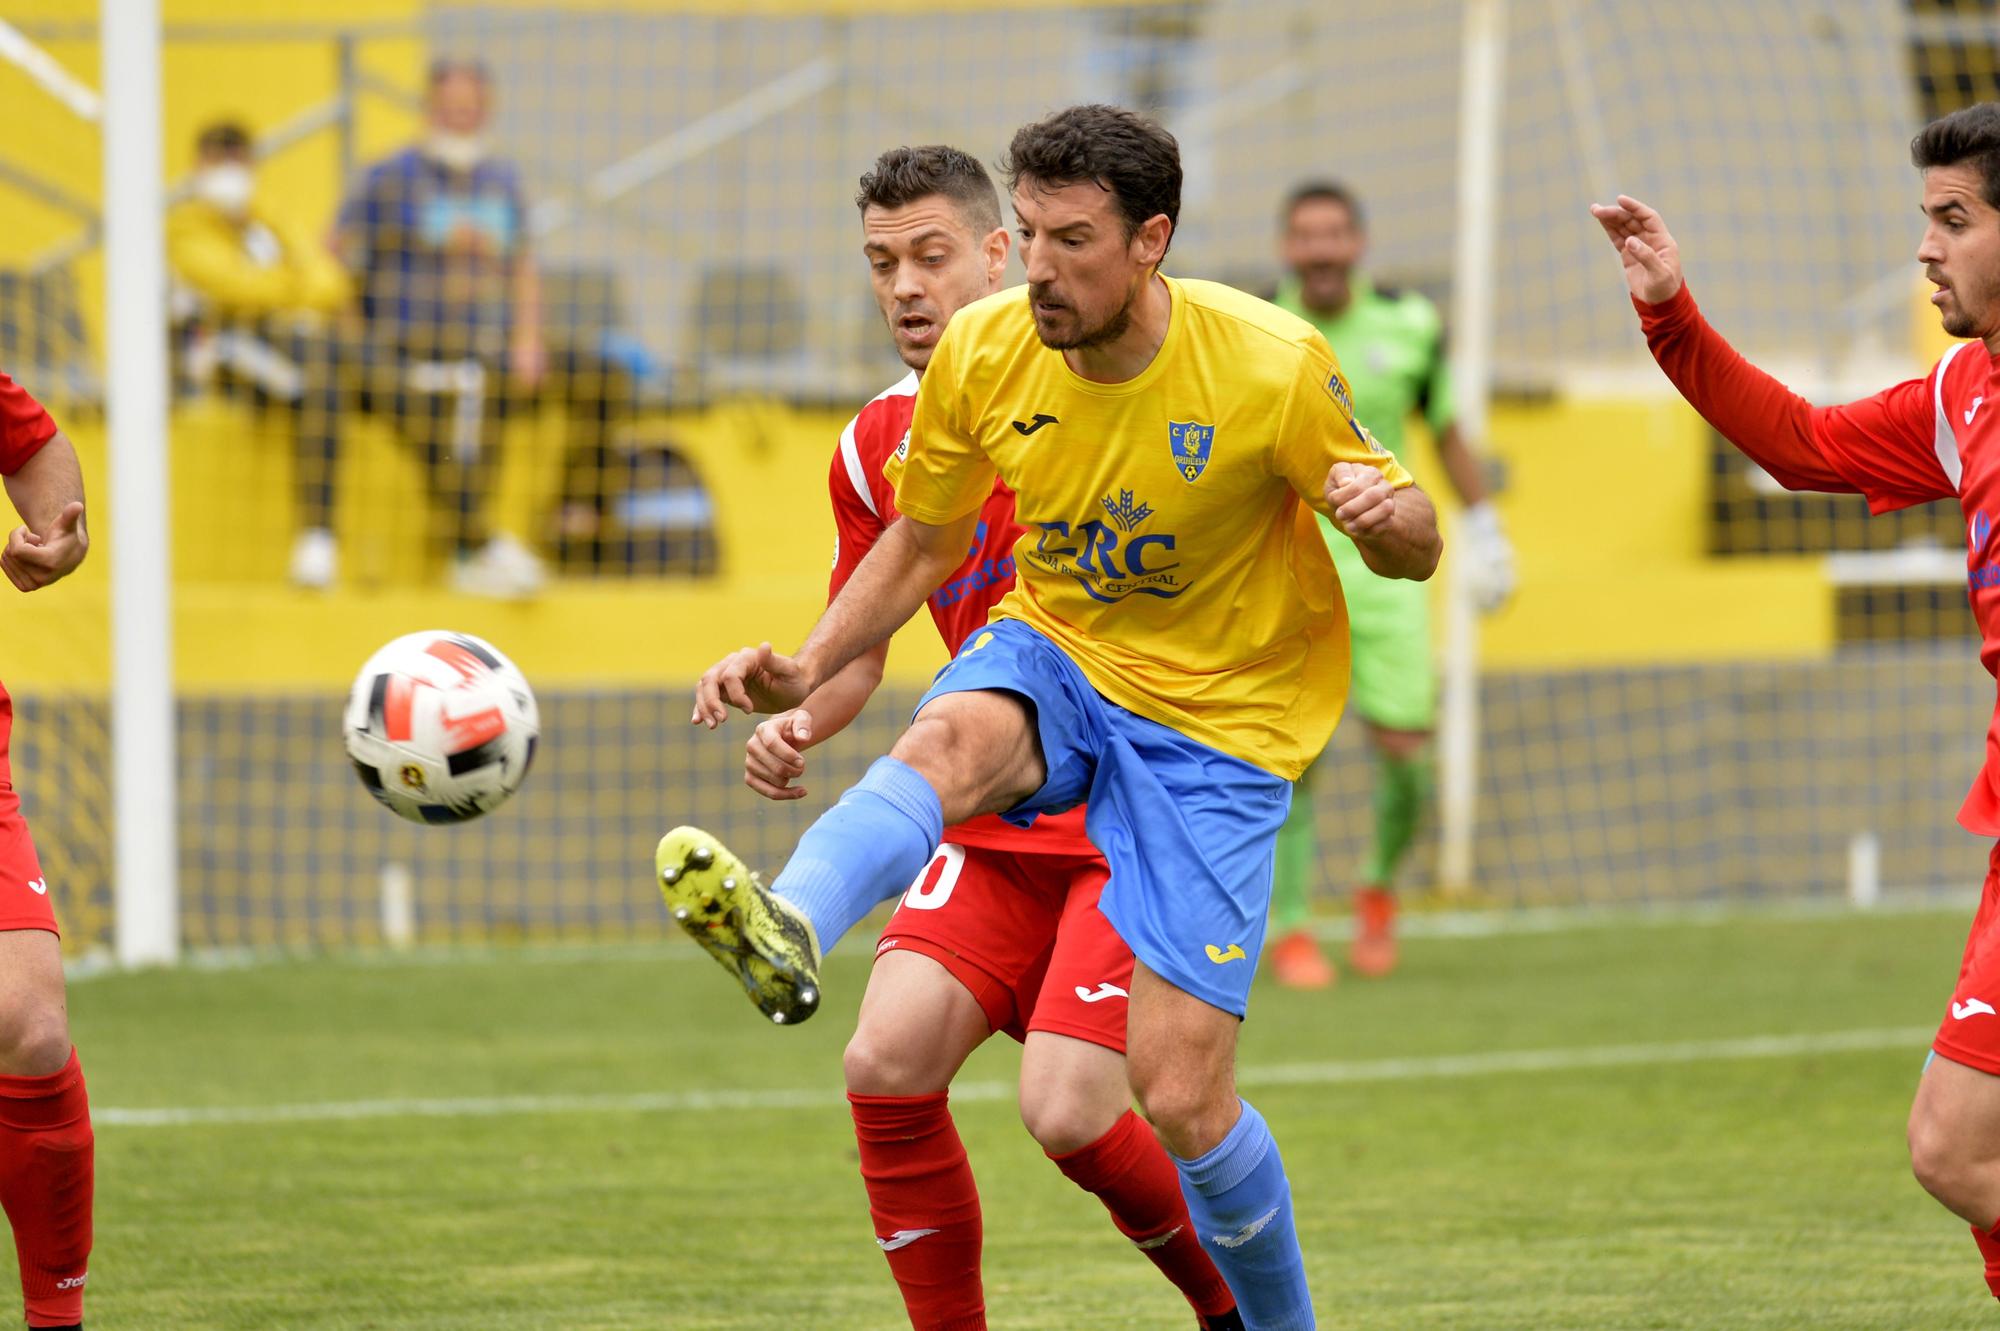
pixel 257 302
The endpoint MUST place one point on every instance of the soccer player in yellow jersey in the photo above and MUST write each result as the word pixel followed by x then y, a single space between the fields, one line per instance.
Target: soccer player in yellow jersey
pixel 1173 652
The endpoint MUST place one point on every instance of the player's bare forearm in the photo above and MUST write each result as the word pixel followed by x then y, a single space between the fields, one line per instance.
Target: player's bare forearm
pixel 51 541
pixel 1462 465
pixel 774 758
pixel 834 704
pixel 1406 544
pixel 910 561
pixel 47 483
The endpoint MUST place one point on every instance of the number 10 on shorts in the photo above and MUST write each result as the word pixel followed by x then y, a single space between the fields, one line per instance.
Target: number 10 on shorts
pixel 933 886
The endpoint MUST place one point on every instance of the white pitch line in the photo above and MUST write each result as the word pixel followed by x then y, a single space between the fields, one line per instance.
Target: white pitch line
pixel 1441 1067
pixel 1500 922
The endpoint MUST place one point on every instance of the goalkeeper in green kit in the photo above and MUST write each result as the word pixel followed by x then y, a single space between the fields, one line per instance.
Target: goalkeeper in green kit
pixel 1391 345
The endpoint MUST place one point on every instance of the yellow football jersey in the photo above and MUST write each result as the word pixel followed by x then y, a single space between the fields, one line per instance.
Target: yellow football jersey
pixel 1167 549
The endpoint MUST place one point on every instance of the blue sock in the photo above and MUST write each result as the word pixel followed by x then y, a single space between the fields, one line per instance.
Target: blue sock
pixel 864 850
pixel 1241 1206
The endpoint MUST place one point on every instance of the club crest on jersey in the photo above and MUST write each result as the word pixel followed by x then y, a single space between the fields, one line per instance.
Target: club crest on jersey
pixel 1190 444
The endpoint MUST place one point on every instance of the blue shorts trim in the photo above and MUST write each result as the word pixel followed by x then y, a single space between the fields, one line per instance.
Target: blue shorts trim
pixel 1190 832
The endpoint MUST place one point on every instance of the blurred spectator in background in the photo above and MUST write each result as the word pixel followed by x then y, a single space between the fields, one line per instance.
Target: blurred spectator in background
pixel 255 301
pixel 1392 352
pixel 451 301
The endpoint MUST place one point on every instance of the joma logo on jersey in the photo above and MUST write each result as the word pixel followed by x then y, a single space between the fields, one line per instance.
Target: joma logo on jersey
pixel 1190 443
pixel 1107 560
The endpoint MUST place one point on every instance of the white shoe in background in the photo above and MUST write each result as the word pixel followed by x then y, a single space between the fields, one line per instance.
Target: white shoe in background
pixel 503 569
pixel 314 559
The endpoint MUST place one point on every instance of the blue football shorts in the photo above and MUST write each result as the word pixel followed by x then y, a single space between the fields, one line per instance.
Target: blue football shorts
pixel 1190 832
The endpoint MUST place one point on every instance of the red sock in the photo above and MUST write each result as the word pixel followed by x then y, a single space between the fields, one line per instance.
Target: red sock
pixel 1129 1171
pixel 1989 1248
pixel 47 1171
pixel 925 1205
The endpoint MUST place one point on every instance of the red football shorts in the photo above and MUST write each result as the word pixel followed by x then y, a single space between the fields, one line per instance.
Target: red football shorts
pixel 1023 933
pixel 1970 1033
pixel 24 892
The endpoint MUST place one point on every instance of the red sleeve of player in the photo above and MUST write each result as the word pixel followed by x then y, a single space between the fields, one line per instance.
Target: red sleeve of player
pixel 24 426
pixel 856 525
pixel 1881 446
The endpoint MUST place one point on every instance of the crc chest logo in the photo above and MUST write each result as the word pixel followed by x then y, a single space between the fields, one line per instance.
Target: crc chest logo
pixel 1190 443
pixel 1112 559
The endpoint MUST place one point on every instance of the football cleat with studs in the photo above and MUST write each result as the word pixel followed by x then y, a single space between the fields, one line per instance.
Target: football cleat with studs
pixel 763 940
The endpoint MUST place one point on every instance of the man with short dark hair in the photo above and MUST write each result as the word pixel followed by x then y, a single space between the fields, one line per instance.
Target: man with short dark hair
pixel 1173 652
pixel 1391 348
pixel 1001 930
pixel 1922 440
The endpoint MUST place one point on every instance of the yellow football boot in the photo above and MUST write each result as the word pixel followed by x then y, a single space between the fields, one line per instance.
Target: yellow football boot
pixel 763 940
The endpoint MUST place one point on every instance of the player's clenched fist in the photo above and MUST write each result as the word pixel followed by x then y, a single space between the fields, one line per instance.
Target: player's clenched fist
pixel 775 755
pixel 1361 498
pixel 752 679
pixel 36 559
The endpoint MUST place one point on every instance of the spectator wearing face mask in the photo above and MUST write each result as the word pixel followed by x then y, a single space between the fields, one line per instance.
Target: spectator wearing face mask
pixel 451 302
pixel 256 293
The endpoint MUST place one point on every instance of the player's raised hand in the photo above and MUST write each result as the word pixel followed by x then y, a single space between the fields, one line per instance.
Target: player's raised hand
pixel 1361 498
pixel 36 559
pixel 751 679
pixel 775 757
pixel 1652 260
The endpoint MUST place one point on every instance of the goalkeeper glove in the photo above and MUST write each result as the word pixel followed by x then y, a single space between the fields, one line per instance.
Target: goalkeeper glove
pixel 1489 566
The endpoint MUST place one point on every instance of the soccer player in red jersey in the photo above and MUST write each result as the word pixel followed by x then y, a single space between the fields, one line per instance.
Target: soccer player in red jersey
pixel 46 1148
pixel 1001 932
pixel 1922 440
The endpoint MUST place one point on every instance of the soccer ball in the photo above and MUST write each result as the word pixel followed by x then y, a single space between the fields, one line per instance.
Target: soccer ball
pixel 441 727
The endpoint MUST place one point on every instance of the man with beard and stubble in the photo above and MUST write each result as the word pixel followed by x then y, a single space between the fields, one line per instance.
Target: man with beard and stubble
pixel 1001 931
pixel 1922 440
pixel 1391 348
pixel 1173 651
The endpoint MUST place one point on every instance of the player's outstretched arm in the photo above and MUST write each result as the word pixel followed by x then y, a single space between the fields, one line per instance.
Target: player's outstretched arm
pixel 775 754
pixel 1879 446
pixel 909 563
pixel 51 541
pixel 1395 530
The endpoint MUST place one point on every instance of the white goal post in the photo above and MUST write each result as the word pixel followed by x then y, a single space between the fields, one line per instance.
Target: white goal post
pixel 145 858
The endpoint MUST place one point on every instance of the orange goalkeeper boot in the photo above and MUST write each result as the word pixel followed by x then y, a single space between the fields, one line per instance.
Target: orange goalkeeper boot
pixel 1298 963
pixel 1373 951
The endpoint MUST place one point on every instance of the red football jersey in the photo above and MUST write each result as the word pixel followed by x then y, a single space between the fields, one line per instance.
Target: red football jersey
pixel 1921 440
pixel 24 428
pixel 864 504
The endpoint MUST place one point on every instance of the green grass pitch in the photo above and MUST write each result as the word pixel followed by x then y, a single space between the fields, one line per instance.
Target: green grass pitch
pixel 1687 1180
